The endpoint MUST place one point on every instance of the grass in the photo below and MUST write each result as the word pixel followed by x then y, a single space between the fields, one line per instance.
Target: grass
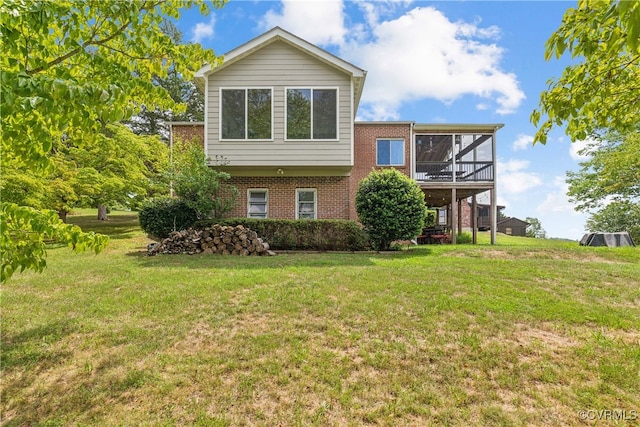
pixel 526 332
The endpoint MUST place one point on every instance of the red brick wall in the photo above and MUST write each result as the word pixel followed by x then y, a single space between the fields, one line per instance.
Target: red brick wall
pixel 336 194
pixel 188 132
pixel 332 195
pixel 365 136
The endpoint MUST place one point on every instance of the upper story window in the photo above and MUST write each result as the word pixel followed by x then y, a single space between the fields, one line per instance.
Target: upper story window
pixel 390 152
pixel 246 114
pixel 312 113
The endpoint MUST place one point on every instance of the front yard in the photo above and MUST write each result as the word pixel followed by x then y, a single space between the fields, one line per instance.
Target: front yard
pixel 526 332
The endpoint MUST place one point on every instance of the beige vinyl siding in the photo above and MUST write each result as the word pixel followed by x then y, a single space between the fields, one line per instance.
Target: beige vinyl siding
pixel 280 66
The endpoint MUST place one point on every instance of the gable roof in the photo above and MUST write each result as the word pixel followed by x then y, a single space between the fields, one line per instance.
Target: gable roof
pixel 357 74
pixel 512 221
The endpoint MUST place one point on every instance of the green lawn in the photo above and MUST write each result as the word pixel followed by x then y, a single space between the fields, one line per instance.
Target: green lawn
pixel 526 332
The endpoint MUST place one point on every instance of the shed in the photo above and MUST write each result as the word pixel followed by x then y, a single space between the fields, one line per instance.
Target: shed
pixel 512 226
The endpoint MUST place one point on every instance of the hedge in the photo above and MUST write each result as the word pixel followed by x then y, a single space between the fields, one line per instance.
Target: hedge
pixel 303 234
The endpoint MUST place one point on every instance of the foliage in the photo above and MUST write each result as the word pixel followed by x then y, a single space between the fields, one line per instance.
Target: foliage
pixel 201 186
pixel 431 218
pixel 464 238
pixel 116 167
pixel 68 68
pixel 303 234
pixel 190 100
pixel 160 217
pixel 612 172
pixel 26 232
pixel 601 91
pixel 617 216
pixel 534 229
pixel 391 207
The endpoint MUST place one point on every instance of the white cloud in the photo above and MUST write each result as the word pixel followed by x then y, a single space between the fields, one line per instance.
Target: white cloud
pixel 318 22
pixel 522 142
pixel 513 177
pixel 557 200
pixel 576 147
pixel 204 30
pixel 419 55
pixel 422 54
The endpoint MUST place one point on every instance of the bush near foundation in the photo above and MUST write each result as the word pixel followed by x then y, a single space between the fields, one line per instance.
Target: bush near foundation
pixel 302 234
pixel 391 207
pixel 160 217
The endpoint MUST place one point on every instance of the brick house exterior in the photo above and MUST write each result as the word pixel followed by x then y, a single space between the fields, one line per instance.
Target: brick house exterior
pixel 312 169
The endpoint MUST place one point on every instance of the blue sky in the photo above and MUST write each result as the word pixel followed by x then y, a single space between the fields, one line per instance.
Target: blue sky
pixel 437 62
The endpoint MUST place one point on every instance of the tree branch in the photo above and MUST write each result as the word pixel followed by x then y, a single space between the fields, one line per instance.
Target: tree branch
pixel 90 42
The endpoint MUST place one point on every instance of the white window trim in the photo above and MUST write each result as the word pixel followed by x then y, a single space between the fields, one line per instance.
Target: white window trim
pixel 246 112
pixel 266 191
pixel 315 201
pixel 312 88
pixel 403 152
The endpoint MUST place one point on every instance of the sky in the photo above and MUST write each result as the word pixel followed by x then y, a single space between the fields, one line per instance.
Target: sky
pixel 438 62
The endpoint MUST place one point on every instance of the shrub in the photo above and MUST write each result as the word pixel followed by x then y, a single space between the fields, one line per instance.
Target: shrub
pixel 391 207
pixel 464 238
pixel 302 234
pixel 202 187
pixel 160 217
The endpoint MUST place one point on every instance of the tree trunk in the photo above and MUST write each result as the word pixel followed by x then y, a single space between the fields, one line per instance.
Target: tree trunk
pixel 62 214
pixel 102 213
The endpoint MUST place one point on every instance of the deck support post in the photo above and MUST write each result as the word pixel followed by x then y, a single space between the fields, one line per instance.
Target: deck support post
pixel 454 215
pixel 493 215
pixel 474 219
pixel 459 203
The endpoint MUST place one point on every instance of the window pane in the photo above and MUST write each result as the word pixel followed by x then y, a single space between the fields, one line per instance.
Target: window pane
pixel 299 114
pixel 384 154
pixel 324 114
pixel 306 204
pixel 258 196
pixel 257 204
pixel 257 208
pixel 397 152
pixel 259 111
pixel 306 196
pixel 233 104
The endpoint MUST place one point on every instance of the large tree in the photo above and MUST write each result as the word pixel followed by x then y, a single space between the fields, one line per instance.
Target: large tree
pixel 622 215
pixel 611 172
pixel 601 89
pixel 68 68
pixel 534 229
pixel 189 99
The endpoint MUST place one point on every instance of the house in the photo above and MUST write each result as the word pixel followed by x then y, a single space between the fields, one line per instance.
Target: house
pixel 282 113
pixel 513 226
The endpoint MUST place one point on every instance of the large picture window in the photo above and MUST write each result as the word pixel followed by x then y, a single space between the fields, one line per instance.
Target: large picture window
pixel 312 113
pixel 245 114
pixel 257 203
pixel 306 203
pixel 390 152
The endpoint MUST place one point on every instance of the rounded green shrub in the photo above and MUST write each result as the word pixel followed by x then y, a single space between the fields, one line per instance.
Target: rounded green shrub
pixel 391 207
pixel 160 217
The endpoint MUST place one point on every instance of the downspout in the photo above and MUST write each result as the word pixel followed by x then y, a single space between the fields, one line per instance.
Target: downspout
pixel 171 157
pixel 412 152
